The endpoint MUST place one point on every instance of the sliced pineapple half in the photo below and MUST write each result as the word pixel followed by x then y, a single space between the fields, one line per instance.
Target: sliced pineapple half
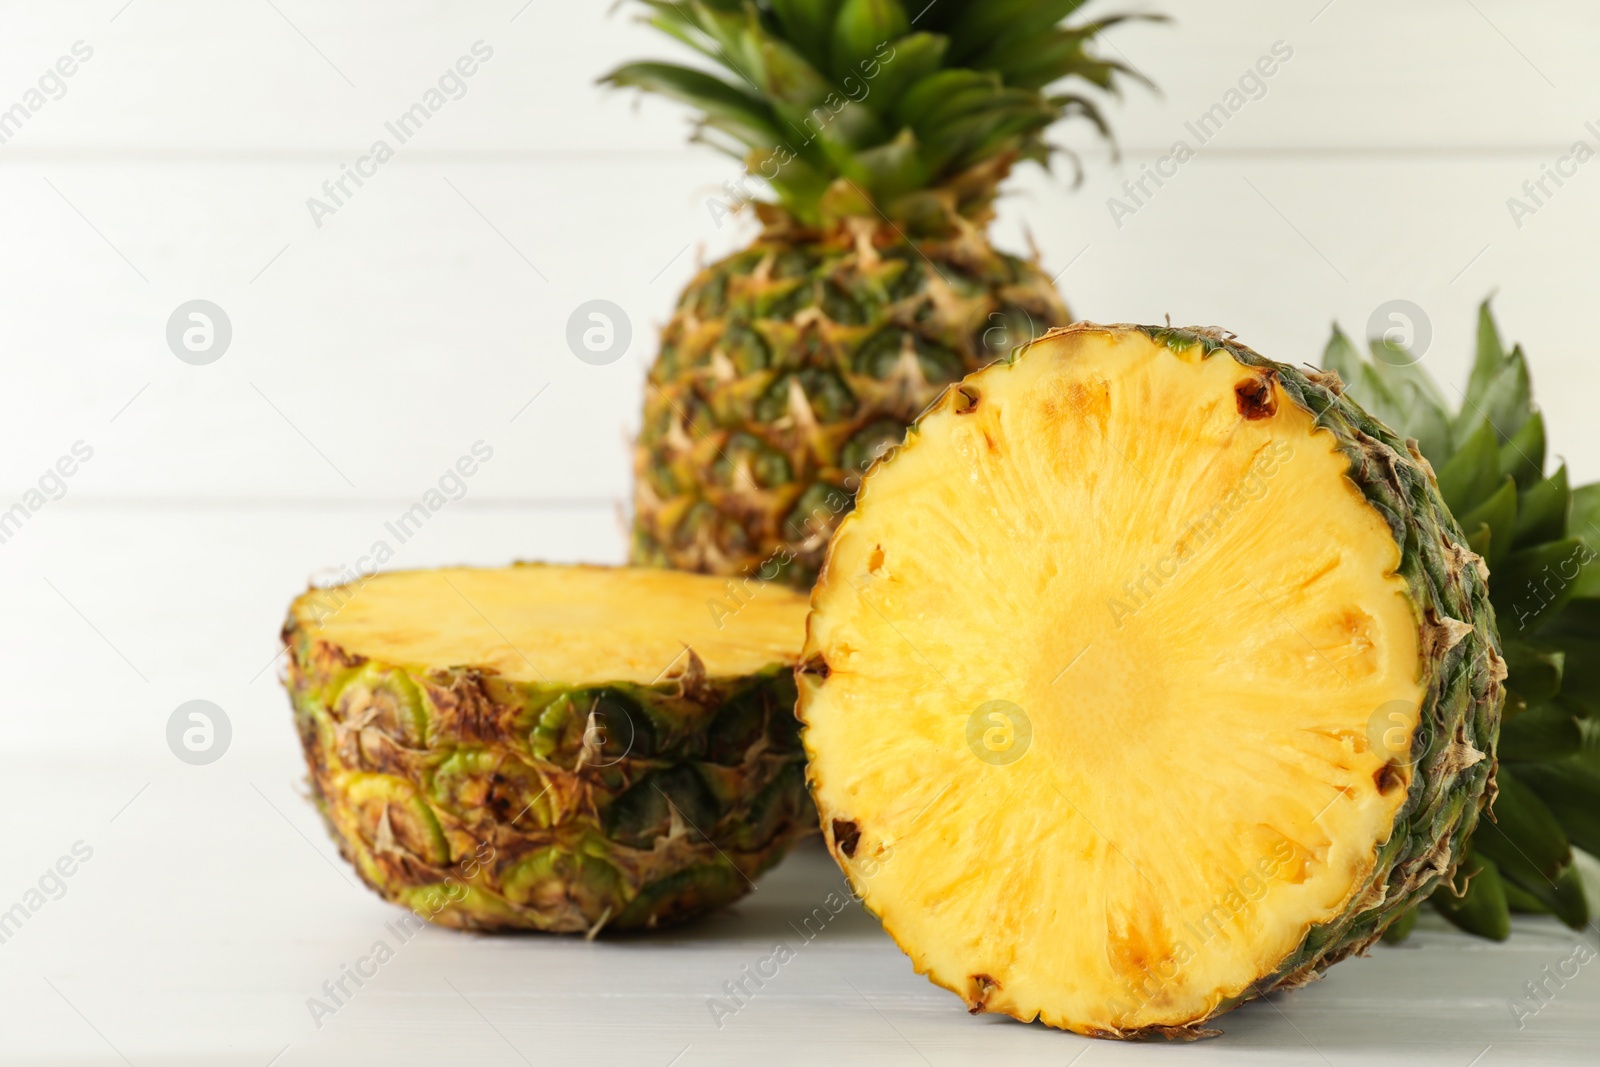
pixel 552 748
pixel 1149 675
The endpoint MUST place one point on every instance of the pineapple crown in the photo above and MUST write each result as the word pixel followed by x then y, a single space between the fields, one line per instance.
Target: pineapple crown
pixel 855 107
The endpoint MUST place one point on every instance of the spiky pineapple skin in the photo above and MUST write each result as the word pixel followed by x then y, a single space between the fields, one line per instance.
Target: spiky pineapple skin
pixel 536 827
pixel 789 366
pixel 1454 745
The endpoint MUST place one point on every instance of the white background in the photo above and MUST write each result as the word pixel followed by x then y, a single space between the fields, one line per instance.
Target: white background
pixel 372 351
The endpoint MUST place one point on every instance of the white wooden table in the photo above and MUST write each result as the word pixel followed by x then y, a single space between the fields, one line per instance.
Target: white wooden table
pixel 213 909
pixel 430 313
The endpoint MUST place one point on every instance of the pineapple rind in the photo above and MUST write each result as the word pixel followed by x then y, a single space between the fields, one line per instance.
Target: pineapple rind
pixel 740 473
pixel 494 816
pixel 1512 513
pixel 1461 668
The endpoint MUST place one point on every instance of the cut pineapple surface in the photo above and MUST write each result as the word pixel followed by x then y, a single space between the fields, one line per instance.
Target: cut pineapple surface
pixel 1114 682
pixel 552 748
pixel 549 623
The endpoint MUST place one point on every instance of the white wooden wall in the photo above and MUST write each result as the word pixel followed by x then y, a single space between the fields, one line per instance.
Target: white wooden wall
pixel 368 353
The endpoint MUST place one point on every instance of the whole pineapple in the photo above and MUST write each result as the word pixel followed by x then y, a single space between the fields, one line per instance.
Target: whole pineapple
pixel 1539 537
pixel 884 134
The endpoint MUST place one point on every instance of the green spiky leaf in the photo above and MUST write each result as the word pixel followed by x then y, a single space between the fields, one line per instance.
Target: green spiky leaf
pixel 912 58
pixel 1546 732
pixel 1476 901
pixel 1498 516
pixel 1473 473
pixel 745 116
pixel 862 31
pixel 837 83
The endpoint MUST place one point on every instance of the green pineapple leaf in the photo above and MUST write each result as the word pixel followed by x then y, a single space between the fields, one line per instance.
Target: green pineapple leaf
pixel 1522 457
pixel 1542 733
pixel 1498 514
pixel 978 26
pixel 828 82
pixel 1543 515
pixel 1506 403
pixel 1490 357
pixel 725 107
pixel 809 24
pixel 915 56
pixel 1533 585
pixel 1570 789
pixel 1340 356
pixel 928 93
pixel 1534 670
pixel 1476 901
pixel 894 169
pixel 861 30
pixel 1473 473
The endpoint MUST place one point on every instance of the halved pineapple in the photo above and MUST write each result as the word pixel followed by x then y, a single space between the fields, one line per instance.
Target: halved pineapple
pixel 552 748
pixel 1148 675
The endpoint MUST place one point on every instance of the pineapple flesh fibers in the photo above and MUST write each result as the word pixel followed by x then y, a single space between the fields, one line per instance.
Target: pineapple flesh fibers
pixel 551 748
pixel 1148 675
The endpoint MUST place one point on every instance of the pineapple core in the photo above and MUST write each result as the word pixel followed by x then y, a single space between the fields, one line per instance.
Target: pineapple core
pixel 1105 681
pixel 561 624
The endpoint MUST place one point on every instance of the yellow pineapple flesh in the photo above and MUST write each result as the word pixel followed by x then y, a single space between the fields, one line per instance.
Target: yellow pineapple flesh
pixel 1112 682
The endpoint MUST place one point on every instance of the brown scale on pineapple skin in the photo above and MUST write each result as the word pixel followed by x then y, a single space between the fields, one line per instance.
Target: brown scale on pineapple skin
pixel 983 985
pixel 1255 397
pixel 790 366
pixel 846 836
pixel 462 708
